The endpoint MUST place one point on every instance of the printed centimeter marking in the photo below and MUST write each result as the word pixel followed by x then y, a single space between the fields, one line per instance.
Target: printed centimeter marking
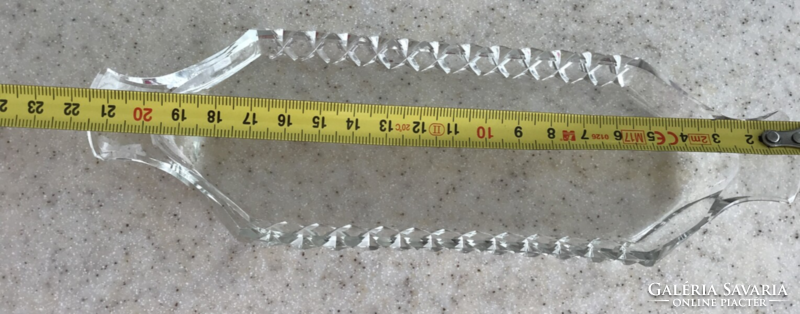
pixel 293 120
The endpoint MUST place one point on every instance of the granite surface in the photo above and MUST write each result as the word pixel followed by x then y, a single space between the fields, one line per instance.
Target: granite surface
pixel 79 235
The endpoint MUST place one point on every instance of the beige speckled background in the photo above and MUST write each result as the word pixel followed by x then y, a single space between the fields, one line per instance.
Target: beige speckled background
pixel 78 235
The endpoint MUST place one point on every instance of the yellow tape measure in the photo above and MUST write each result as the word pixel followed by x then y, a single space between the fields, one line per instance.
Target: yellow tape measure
pixel 292 120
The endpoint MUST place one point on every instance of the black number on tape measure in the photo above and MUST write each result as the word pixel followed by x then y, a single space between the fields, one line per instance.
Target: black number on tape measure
pixel 214 116
pixel 250 119
pixel 319 122
pixel 651 136
pixel 551 133
pixel 715 138
pixel 518 131
pixel 749 139
pixel 35 107
pixel 3 103
pixel 684 137
pixel 178 114
pixel 454 130
pixel 107 111
pixel 71 109
pixel 386 126
pixel 352 123
pixel 285 120
pixel 584 137
pixel 618 135
pixel 419 126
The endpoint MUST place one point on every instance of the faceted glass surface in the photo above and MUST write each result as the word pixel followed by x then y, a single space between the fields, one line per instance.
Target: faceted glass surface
pixel 601 205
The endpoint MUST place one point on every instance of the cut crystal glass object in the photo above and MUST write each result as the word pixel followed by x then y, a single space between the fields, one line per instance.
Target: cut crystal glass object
pixel 629 206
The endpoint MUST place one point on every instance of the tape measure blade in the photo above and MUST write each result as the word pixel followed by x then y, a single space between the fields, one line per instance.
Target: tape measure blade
pixel 293 120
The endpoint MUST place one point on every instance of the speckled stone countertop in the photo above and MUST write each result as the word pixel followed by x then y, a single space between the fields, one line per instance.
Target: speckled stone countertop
pixel 79 235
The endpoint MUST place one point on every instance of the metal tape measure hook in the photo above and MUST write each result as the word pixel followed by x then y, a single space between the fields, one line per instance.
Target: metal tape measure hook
pixel 773 138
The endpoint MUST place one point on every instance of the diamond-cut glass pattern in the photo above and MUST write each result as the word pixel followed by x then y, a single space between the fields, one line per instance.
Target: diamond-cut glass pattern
pixel 450 58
